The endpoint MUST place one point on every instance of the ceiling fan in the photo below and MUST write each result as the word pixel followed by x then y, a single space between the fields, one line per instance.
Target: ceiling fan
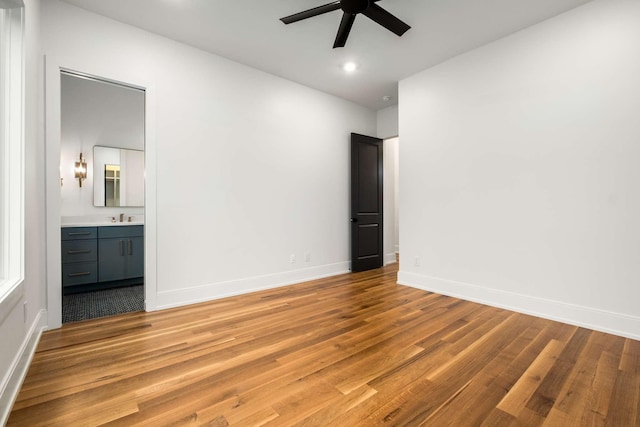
pixel 351 8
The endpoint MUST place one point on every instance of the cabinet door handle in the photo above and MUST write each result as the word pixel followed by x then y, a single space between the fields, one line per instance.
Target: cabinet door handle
pixel 129 247
pixel 82 273
pixel 121 247
pixel 82 251
pixel 81 233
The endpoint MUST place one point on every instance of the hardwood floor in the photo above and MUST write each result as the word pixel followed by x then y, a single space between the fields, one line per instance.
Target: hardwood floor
pixel 350 350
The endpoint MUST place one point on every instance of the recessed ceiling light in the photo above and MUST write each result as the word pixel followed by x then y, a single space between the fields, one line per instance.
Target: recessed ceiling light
pixel 350 67
pixel 386 98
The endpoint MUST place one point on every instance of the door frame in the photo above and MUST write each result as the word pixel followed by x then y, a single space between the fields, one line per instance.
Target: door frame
pixel 391 146
pixel 107 71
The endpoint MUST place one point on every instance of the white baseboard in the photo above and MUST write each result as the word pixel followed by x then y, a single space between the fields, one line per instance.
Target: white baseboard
pixel 591 318
pixel 389 258
pixel 20 366
pixel 214 291
pixel 397 249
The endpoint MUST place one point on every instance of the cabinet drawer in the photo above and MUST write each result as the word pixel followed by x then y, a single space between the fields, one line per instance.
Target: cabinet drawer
pixel 121 231
pixel 79 233
pixel 79 273
pixel 79 250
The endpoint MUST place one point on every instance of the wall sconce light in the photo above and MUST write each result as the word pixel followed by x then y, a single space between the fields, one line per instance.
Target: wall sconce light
pixel 81 170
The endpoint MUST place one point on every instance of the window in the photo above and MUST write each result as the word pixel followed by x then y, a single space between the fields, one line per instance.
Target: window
pixel 11 145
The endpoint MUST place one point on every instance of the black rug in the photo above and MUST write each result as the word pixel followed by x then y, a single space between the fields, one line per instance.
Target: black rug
pixel 107 302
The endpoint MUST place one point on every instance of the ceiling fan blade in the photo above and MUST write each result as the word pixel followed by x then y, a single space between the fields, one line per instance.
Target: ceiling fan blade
pixel 387 20
pixel 344 30
pixel 330 7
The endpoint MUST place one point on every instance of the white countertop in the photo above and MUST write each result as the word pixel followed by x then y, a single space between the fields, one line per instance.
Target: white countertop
pixel 100 224
pixel 102 220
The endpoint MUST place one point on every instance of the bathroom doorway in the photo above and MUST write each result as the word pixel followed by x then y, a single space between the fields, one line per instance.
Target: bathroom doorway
pixel 102 130
pixel 391 175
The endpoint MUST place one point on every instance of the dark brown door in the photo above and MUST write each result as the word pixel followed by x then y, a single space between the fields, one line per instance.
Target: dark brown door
pixel 366 202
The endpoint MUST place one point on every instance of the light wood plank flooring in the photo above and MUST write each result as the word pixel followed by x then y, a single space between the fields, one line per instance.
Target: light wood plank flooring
pixel 351 350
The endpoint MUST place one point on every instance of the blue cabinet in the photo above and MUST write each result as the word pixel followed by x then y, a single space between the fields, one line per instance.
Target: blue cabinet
pixel 121 252
pixel 102 256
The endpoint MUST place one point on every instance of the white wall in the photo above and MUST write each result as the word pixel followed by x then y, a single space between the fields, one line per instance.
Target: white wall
pixel 520 182
pixel 19 333
pixel 387 122
pixel 95 113
pixel 250 167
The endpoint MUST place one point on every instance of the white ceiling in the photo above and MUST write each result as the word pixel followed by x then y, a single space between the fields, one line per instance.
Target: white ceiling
pixel 250 32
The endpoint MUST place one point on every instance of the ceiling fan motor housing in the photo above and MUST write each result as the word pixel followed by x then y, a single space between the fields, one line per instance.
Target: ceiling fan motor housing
pixel 354 7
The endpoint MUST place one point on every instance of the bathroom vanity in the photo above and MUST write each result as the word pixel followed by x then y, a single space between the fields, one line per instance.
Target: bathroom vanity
pixel 100 257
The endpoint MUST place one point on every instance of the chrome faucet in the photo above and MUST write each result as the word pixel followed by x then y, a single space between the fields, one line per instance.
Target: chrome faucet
pixel 121 217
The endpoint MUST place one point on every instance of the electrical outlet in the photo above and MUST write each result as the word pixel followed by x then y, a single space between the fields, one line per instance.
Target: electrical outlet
pixel 292 258
pixel 307 257
pixel 416 261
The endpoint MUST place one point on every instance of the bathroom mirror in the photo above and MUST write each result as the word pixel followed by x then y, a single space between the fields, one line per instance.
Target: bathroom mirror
pixel 118 177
